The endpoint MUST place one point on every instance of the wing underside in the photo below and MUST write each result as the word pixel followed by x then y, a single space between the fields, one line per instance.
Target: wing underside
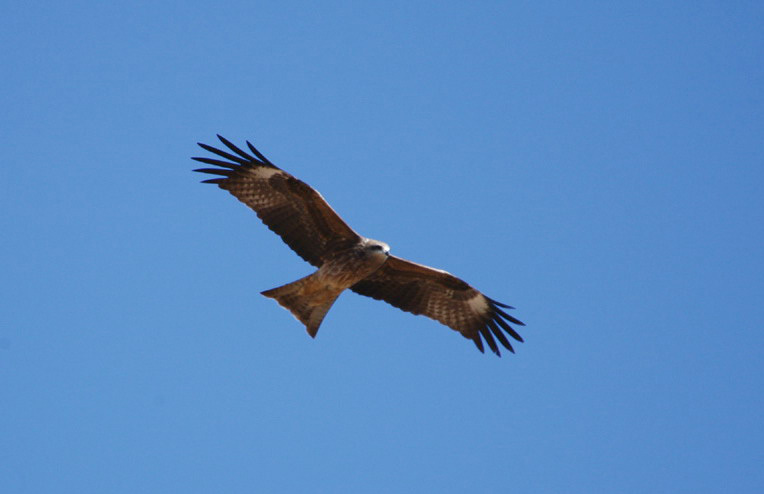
pixel 430 292
pixel 288 206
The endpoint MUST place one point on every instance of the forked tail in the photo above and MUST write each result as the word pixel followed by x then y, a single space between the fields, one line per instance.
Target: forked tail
pixel 307 299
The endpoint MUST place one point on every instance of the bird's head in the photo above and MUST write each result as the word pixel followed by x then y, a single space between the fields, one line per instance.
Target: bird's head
pixel 376 248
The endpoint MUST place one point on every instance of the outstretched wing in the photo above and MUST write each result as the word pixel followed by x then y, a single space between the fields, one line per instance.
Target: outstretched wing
pixel 441 296
pixel 288 206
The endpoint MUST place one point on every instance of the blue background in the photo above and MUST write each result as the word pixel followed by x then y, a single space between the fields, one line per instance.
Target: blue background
pixel 598 165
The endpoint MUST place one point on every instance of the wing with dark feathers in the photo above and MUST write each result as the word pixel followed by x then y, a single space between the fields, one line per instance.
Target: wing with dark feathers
pixel 288 206
pixel 441 296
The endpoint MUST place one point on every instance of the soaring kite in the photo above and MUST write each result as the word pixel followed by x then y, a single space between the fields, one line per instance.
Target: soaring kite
pixel 345 259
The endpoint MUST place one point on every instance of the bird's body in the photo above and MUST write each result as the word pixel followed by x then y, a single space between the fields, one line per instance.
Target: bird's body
pixel 347 260
pixel 310 298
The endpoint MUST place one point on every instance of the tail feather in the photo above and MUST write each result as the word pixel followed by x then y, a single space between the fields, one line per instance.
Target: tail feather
pixel 306 300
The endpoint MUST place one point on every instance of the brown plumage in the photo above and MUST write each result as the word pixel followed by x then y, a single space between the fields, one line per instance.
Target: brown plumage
pixel 345 259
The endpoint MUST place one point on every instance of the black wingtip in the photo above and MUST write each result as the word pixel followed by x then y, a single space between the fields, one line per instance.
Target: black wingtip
pixel 226 155
pixel 215 171
pixel 213 161
pixel 506 327
pixel 508 317
pixel 495 327
pixel 260 155
pixel 239 158
pixel 478 343
pixel 488 337
pixel 235 148
pixel 500 336
pixel 496 302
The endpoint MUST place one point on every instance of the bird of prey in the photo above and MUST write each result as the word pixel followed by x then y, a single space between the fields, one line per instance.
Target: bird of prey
pixel 307 224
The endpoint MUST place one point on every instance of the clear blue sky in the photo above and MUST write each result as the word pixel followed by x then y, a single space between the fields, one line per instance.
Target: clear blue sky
pixel 598 165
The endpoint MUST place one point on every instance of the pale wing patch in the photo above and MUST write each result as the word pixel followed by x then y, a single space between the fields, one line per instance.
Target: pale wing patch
pixel 264 173
pixel 478 304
